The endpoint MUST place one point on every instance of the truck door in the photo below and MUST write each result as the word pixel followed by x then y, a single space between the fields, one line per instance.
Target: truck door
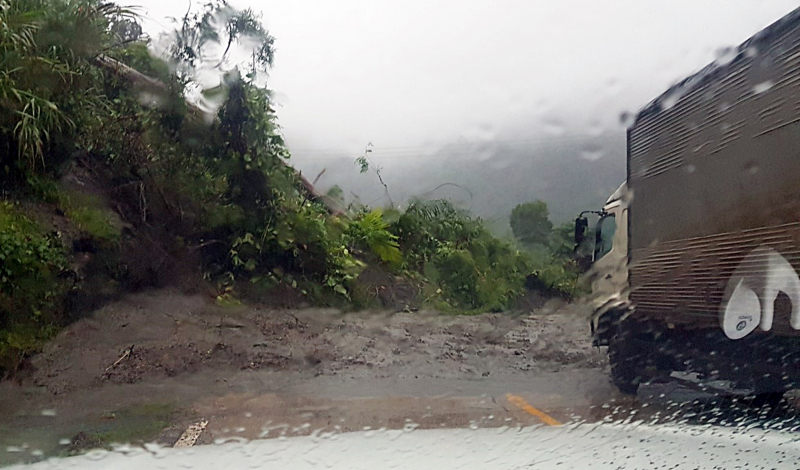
pixel 610 269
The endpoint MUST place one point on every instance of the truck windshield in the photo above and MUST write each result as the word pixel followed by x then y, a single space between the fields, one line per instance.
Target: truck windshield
pixel 606 227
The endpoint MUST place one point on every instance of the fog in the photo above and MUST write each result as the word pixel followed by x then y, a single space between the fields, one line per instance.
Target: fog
pixel 509 100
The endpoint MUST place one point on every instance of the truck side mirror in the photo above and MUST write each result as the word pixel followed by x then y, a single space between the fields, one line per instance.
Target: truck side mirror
pixel 581 225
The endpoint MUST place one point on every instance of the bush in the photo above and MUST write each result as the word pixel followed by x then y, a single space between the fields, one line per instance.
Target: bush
pixel 470 269
pixel 30 287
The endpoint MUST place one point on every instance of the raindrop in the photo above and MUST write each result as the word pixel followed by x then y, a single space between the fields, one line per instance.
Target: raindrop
pixel 409 427
pixel 97 454
pixel 627 119
pixel 671 99
pixel 613 87
pixel 151 447
pixel 763 86
pixel 231 439
pixel 595 129
pixel 64 442
pixel 48 412
pixel 13 449
pixel 690 168
pixel 592 155
pixel 725 56
pixel 554 127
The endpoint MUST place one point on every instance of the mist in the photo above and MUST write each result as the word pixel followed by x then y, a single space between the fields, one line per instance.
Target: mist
pixel 503 102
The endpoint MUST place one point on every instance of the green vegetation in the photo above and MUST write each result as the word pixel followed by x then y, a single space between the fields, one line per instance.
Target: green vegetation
pixel 30 287
pixel 530 223
pixel 468 268
pixel 551 248
pixel 136 424
pixel 207 180
pixel 89 215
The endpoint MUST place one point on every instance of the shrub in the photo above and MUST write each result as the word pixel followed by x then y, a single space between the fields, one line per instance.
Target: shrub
pixel 472 270
pixel 370 231
pixel 30 287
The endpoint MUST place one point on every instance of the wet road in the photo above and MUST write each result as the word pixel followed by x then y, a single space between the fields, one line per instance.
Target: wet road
pixel 252 405
pixel 333 374
pixel 601 445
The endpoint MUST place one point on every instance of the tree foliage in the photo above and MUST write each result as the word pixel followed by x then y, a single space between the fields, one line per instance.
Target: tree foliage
pixel 530 223
pixel 468 268
pixel 46 73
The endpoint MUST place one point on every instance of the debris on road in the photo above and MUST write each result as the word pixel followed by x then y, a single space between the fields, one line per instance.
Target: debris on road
pixel 189 437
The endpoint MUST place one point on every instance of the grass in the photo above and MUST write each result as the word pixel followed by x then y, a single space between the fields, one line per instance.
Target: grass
pixel 89 214
pixel 95 223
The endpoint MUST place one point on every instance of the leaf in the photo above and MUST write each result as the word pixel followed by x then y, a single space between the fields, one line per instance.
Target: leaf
pixel 340 289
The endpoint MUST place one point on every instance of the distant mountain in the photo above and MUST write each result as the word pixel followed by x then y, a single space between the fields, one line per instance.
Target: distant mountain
pixel 570 173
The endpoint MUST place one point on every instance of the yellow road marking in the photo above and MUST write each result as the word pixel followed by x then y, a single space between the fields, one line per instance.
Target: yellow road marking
pixel 519 402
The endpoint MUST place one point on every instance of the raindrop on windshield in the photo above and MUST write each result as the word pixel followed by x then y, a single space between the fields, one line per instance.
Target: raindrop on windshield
pixel 763 87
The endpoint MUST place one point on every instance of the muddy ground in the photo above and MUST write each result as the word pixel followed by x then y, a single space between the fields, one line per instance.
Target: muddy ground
pixel 147 366
pixel 158 335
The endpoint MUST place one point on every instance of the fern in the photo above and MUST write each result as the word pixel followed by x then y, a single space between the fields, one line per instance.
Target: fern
pixel 372 231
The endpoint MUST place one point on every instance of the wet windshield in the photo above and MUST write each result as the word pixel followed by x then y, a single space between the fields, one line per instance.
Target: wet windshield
pixel 342 234
pixel 606 227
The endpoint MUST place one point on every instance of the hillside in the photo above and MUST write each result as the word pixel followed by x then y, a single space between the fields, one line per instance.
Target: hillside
pixel 123 172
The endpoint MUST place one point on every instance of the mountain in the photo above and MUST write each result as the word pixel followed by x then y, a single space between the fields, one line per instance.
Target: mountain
pixel 570 173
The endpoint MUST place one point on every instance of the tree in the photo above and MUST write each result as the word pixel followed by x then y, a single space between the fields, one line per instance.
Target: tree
pixel 531 224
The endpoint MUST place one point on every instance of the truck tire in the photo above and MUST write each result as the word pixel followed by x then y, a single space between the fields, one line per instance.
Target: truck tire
pixel 625 360
pixel 766 400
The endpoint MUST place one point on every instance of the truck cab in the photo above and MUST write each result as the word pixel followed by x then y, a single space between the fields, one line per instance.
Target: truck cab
pixel 609 265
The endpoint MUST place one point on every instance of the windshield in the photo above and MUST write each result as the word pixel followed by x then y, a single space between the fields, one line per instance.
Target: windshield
pixel 342 234
pixel 606 227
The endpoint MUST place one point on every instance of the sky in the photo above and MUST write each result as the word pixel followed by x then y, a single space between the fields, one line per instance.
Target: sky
pixel 413 77
pixel 420 73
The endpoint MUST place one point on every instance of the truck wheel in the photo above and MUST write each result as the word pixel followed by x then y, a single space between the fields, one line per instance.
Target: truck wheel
pixel 625 361
pixel 768 400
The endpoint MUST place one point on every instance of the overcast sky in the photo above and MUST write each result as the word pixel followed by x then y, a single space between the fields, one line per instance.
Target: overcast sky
pixel 409 75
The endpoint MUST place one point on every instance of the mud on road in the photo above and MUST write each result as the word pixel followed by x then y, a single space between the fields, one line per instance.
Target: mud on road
pixel 147 366
pixel 154 336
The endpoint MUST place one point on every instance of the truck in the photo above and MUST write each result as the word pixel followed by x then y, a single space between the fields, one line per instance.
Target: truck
pixel 696 256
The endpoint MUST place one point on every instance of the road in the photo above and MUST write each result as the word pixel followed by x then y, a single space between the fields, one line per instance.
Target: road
pixel 596 446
